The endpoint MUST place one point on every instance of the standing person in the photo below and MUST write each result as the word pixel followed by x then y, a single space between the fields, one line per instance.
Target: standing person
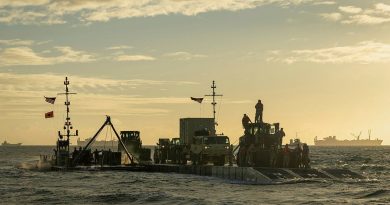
pixel 259 112
pixel 273 156
pixel 298 151
pixel 281 134
pixel 305 156
pixel 286 156
pixel 245 121
pixel 231 155
pixel 250 155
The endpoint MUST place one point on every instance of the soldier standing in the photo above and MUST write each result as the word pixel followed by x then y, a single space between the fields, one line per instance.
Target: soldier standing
pixel 281 134
pixel 231 155
pixel 259 112
pixel 245 121
pixel 305 156
pixel 286 156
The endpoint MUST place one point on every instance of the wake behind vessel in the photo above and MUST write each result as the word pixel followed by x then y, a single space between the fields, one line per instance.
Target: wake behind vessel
pixel 333 141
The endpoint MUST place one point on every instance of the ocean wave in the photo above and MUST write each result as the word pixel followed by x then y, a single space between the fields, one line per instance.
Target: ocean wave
pixel 373 167
pixel 377 193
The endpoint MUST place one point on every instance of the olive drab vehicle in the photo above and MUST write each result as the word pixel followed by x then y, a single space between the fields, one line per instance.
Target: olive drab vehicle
pixel 161 151
pixel 202 143
pixel 209 148
pixel 261 146
pixel 169 151
pixel 198 142
pixel 176 152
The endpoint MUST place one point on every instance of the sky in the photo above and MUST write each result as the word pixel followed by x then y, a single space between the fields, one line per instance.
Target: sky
pixel 320 67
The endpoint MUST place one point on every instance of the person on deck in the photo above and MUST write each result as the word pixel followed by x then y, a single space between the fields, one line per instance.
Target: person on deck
pixel 286 156
pixel 259 112
pixel 305 156
pixel 245 121
pixel 281 134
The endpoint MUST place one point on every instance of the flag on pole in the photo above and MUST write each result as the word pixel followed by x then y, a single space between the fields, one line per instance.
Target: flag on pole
pixel 49 114
pixel 199 100
pixel 50 100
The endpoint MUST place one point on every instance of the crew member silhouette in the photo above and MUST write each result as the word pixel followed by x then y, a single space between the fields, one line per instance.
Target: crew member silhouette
pixel 259 112
pixel 245 121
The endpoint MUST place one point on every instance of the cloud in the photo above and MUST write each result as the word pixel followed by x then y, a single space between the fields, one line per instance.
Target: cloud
pixel 134 58
pixel 362 53
pixel 20 3
pixel 50 82
pixel 16 42
pixel 366 19
pixel 350 9
pixel 378 14
pixel 122 47
pixel 22 95
pixel 55 12
pixel 23 55
pixel 181 55
pixel 324 3
pixel 28 17
pixel 331 16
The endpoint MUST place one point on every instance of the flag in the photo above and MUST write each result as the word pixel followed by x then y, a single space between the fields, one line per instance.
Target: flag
pixel 199 100
pixel 49 114
pixel 50 99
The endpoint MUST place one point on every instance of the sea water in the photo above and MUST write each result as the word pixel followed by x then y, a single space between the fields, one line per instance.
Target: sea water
pixel 21 183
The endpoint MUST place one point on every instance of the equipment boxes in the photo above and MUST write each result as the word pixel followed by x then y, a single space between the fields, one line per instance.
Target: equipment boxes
pixel 188 126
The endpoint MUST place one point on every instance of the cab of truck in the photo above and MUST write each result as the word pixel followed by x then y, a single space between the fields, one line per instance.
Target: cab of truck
pixel 205 149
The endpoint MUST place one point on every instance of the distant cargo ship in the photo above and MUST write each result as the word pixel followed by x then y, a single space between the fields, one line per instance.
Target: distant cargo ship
pixel 98 143
pixel 6 144
pixel 332 141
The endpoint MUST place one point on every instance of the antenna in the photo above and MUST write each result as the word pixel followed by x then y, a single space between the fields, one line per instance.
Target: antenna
pixel 213 87
pixel 68 124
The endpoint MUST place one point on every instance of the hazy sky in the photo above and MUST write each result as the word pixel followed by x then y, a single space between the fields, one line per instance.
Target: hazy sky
pixel 320 67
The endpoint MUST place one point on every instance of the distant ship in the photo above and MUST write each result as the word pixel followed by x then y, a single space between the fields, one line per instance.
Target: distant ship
pixel 332 141
pixel 98 143
pixel 6 144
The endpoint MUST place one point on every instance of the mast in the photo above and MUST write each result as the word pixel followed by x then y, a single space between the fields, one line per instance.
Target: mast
pixel 213 87
pixel 68 127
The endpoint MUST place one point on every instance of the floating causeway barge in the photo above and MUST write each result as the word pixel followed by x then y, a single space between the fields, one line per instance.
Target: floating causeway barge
pixel 256 148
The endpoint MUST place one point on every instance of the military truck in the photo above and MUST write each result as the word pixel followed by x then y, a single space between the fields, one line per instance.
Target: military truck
pixel 198 143
pixel 202 144
pixel 209 148
pixel 169 151
pixel 161 152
